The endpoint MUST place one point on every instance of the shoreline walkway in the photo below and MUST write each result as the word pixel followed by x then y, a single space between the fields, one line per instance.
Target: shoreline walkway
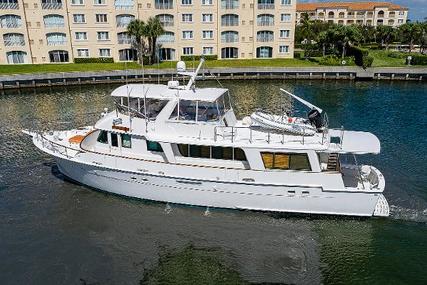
pixel 29 80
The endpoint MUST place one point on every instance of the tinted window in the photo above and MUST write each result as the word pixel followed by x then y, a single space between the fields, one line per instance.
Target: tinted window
pixel 154 146
pixel 114 140
pixel 102 137
pixel 215 152
pixel 126 140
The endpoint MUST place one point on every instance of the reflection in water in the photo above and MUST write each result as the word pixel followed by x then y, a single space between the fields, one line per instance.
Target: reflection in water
pixel 57 232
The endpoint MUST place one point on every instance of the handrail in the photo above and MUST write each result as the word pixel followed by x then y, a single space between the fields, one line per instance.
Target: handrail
pixel 44 140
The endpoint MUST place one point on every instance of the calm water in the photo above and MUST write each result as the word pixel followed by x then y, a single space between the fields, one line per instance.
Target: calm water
pixel 56 232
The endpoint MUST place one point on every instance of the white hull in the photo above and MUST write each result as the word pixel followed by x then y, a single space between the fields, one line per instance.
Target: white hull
pixel 233 195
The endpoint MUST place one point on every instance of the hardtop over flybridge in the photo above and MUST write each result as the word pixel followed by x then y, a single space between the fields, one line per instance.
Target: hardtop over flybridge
pixel 181 144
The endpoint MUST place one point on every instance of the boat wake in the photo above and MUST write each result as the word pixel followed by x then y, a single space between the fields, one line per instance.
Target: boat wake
pixel 406 214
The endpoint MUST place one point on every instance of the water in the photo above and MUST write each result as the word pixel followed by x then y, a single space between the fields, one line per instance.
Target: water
pixel 56 232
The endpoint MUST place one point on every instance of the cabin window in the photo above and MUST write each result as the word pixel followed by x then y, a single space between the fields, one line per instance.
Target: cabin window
pixel 214 152
pixel 207 112
pixel 126 140
pixel 292 161
pixel 114 140
pixel 154 107
pixel 187 110
pixel 154 146
pixel 103 137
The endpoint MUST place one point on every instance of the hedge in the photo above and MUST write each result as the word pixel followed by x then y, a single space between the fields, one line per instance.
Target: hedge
pixel 361 56
pixel 419 60
pixel 94 60
pixel 334 60
pixel 197 57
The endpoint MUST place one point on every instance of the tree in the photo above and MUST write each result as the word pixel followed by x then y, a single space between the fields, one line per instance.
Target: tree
pixel 306 31
pixel 411 33
pixel 344 36
pixel 154 29
pixel 138 30
pixel 385 35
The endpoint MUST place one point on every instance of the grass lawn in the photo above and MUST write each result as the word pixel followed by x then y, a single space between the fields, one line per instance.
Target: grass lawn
pixel 44 68
pixel 381 59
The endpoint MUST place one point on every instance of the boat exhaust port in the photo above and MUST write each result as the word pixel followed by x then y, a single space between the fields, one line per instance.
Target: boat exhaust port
pixel 381 208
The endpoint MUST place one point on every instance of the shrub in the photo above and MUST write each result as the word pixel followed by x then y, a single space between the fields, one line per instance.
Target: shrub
pixel 367 61
pixel 297 54
pixel 395 54
pixel 197 57
pixel 334 60
pixel 361 56
pixel 94 60
pixel 419 60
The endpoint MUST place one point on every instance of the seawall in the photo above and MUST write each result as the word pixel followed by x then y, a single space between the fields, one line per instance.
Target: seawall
pixel 31 80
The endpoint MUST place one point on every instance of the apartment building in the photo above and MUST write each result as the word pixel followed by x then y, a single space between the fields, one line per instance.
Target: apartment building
pixel 45 31
pixel 361 13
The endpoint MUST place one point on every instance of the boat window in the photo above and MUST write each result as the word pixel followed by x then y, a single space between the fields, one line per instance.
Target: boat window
pixel 154 146
pixel 292 161
pixel 222 106
pixel 126 140
pixel 215 152
pixel 154 107
pixel 103 137
pixel 207 112
pixel 187 110
pixel 114 140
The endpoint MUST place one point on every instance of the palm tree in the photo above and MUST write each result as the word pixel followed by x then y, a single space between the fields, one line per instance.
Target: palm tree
pixel 138 30
pixel 306 31
pixel 153 31
pixel 346 36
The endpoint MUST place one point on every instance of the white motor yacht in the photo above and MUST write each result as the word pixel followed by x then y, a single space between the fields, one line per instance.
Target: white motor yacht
pixel 181 144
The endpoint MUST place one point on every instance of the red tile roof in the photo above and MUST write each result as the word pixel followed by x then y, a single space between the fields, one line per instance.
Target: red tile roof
pixel 356 6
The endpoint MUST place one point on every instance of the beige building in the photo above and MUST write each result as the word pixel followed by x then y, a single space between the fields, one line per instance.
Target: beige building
pixel 44 31
pixel 362 13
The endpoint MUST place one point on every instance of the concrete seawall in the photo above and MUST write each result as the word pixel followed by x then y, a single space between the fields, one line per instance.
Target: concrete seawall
pixel 153 75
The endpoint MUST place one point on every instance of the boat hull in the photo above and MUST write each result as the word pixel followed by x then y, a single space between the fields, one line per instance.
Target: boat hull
pixel 220 194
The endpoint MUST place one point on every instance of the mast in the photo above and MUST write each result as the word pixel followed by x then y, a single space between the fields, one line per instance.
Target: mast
pixel 194 75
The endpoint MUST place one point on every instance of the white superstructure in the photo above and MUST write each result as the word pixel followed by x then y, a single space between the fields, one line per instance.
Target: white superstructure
pixel 182 144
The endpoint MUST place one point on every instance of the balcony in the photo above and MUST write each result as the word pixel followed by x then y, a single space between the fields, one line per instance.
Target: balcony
pixel 265 23
pixel 229 39
pixel 11 25
pixel 14 42
pixel 124 41
pixel 168 37
pixel 123 4
pixel 227 4
pixel 51 6
pixel 163 4
pixel 166 23
pixel 54 25
pixel 12 6
pixel 266 36
pixel 262 6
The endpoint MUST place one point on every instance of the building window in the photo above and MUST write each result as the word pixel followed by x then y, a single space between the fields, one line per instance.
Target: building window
pixel 167 37
pixel 101 18
pixel 285 33
pixel 10 21
pixel 264 52
pixel 81 36
pixel 207 2
pixel 16 56
pixel 286 161
pixel 154 146
pixel 79 18
pixel 207 50
pixel 54 39
pixel 229 37
pixel 53 21
pixel 187 2
pixel 229 20
pixel 99 2
pixel 401 13
pixel 103 36
pixel 104 52
pixel 187 18
pixel 207 18
pixel 229 52
pixel 128 54
pixel 77 2
pixel 187 50
pixel 82 52
pixel 283 49
pixel 265 20
pixel 124 20
pixel 285 17
pixel 187 35
pixel 207 35
pixel 166 20
pixel 400 21
pixel 167 54
pixel 58 56
pixel 126 140
pixel 286 2
pixel 103 137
